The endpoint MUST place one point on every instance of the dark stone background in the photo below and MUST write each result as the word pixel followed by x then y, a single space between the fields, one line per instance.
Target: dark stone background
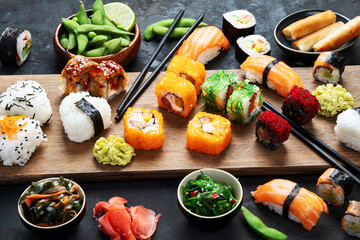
pixel 41 17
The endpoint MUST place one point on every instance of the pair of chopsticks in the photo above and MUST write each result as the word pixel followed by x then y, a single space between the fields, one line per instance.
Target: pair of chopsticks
pixel 131 97
pixel 318 146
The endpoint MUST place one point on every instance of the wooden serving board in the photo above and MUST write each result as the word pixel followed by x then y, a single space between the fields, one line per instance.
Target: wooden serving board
pixel 244 155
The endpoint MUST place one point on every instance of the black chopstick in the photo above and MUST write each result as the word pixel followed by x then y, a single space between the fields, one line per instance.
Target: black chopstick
pixel 157 70
pixel 151 60
pixel 299 132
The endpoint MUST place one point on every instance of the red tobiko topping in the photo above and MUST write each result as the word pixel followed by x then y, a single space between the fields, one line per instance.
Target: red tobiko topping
pixel 275 124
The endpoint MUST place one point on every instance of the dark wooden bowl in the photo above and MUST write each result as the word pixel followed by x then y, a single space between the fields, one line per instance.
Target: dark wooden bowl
pixel 123 57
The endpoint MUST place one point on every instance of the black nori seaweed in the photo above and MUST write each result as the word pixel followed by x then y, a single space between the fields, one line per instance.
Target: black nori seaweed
pixel 8 41
pixel 289 200
pixel 337 60
pixel 232 33
pixel 357 110
pixel 343 180
pixel 267 70
pixel 92 113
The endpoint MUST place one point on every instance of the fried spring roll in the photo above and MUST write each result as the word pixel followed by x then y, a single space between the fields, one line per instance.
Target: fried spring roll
pixel 308 25
pixel 306 43
pixel 336 39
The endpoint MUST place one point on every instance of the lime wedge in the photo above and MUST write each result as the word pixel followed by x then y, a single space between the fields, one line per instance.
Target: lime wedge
pixel 120 14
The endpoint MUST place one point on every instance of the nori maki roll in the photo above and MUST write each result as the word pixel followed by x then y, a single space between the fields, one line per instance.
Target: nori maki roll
pixel 271 129
pixel 15 46
pixel 351 220
pixel 244 103
pixel 300 105
pixel 328 67
pixel 251 45
pixel 217 89
pixel 238 23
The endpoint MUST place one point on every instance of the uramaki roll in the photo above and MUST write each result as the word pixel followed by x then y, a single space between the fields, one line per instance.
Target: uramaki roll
pixel 306 43
pixel 308 25
pixel 175 94
pixel 336 39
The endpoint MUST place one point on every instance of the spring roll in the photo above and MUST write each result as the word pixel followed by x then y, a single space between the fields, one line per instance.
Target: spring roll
pixel 309 25
pixel 336 39
pixel 306 43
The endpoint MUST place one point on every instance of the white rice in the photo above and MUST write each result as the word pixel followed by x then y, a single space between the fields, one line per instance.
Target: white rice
pixel 21 44
pixel 321 72
pixel 347 128
pixel 208 55
pixel 265 49
pixel 279 209
pixel 77 125
pixel 27 98
pixel 18 150
pixel 254 76
pixel 231 17
pixel 332 194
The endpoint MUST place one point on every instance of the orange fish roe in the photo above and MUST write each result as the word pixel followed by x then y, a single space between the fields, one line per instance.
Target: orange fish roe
pixel 8 125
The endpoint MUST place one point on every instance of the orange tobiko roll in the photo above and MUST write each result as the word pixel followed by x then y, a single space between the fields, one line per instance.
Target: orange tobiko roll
pixel 175 94
pixel 208 133
pixel 143 128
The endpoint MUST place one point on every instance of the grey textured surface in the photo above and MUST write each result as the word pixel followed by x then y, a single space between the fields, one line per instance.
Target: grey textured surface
pixel 41 17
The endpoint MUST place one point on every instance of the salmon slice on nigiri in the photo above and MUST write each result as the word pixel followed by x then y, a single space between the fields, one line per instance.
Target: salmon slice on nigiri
pixel 268 70
pixel 283 196
pixel 204 44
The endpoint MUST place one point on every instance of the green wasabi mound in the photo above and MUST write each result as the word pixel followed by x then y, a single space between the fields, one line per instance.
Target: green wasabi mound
pixel 113 151
pixel 333 100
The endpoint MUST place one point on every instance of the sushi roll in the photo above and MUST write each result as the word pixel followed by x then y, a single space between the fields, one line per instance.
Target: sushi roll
pixel 333 186
pixel 191 70
pixel 208 133
pixel 328 67
pixel 347 128
pixel 270 71
pixel 271 129
pixel 291 201
pixel 244 103
pixel 204 44
pixel 19 138
pixel 351 220
pixel 217 89
pixel 251 45
pixel 175 94
pixel 238 23
pixel 84 116
pixel 144 128
pixel 300 105
pixel 15 45
pixel 28 98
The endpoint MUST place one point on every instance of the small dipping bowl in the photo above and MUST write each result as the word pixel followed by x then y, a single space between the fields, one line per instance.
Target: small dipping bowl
pixel 61 230
pixel 212 223
pixel 124 57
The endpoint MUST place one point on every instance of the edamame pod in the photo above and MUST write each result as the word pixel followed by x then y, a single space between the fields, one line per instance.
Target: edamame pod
pixel 101 29
pixel 178 32
pixel 64 43
pixel 70 25
pixel 99 39
pixel 259 227
pixel 91 35
pixel 97 18
pixel 82 41
pixel 64 35
pixel 72 40
pixel 97 52
pixel 82 17
pixel 113 45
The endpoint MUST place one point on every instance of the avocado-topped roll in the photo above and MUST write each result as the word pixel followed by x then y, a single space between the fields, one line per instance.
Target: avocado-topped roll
pixel 217 89
pixel 143 128
pixel 175 94
pixel 189 69
pixel 328 67
pixel 15 46
pixel 244 103
pixel 208 133
pixel 351 219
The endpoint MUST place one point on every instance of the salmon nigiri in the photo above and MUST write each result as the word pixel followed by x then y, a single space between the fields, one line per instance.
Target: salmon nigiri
pixel 204 44
pixel 289 200
pixel 275 74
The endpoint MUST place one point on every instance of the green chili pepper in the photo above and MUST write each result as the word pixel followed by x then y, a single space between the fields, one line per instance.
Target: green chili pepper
pixel 72 40
pixel 99 39
pixel 82 41
pixel 83 18
pixel 85 28
pixel 259 227
pixel 97 52
pixel 70 25
pixel 64 43
pixel 178 32
pixel 183 22
pixel 97 18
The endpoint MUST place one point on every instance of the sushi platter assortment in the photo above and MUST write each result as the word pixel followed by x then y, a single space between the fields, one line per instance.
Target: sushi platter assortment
pixel 55 125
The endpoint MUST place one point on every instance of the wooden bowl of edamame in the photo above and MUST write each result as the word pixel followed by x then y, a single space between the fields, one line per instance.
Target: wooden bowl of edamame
pixel 123 57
